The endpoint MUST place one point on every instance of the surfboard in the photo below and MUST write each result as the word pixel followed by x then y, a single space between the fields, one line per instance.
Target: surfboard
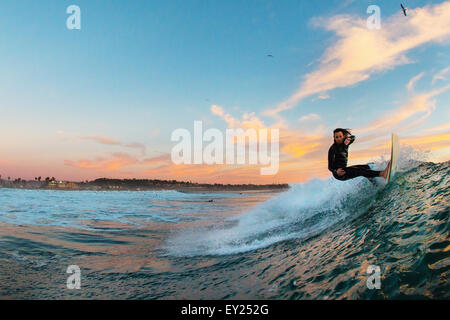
pixel 394 157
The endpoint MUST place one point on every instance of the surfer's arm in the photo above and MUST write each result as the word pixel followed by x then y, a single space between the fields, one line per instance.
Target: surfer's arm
pixel 351 139
pixel 331 160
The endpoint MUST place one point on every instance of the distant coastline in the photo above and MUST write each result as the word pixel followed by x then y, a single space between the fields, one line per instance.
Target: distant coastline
pixel 106 184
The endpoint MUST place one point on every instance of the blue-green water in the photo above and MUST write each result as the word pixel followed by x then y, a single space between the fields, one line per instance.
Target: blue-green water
pixel 314 241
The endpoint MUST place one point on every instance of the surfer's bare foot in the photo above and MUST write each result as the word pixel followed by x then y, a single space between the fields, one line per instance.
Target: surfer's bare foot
pixel 385 171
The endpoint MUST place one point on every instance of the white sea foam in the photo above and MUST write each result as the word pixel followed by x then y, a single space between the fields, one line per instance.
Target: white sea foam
pixel 304 210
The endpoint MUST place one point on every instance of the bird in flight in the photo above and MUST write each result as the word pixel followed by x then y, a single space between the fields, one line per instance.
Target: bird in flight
pixel 270 56
pixel 403 8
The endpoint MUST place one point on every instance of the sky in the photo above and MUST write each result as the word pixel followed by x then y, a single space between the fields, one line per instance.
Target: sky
pixel 103 101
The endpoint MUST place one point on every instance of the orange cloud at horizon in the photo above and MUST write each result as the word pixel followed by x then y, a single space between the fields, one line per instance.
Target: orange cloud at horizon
pixel 429 142
pixel 118 161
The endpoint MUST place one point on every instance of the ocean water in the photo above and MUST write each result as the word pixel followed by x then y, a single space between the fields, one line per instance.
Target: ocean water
pixel 313 241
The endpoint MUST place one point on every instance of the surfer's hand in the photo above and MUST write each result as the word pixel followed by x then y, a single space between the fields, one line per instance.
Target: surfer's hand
pixel 340 172
pixel 347 141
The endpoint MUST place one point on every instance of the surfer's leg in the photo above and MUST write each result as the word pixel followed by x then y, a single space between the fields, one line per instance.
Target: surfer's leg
pixel 341 178
pixel 385 171
pixel 363 166
pixel 360 171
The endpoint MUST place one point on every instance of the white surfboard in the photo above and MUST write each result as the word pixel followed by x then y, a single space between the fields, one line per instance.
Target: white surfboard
pixel 394 157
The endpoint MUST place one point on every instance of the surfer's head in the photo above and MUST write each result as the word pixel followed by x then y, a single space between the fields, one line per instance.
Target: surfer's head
pixel 340 134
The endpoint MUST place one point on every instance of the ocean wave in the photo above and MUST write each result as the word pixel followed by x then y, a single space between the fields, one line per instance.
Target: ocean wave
pixel 305 210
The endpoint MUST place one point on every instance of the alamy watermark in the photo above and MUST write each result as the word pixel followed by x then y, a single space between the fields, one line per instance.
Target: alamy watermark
pixel 374 279
pixel 74 20
pixel 374 21
pixel 74 281
pixel 192 151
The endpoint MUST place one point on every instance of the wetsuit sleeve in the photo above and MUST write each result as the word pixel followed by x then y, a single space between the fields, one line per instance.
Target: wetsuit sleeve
pixel 352 138
pixel 331 159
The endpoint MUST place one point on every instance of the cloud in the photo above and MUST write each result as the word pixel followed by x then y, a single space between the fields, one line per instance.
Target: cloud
pixel 429 141
pixel 117 161
pixel 408 116
pixel 440 75
pixel 135 145
pixel 248 121
pixel 412 82
pixel 101 139
pixel 156 161
pixel 218 111
pixel 445 126
pixel 360 52
pixel 294 143
pixel 324 96
pixel 71 136
pixel 309 117
pixel 110 141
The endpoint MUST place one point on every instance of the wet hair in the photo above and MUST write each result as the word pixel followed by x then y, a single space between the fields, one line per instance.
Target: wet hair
pixel 345 132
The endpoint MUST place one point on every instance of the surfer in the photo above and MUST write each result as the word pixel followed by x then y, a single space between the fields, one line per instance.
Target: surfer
pixel 338 156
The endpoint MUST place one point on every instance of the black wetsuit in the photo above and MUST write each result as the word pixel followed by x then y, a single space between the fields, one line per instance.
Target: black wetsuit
pixel 338 157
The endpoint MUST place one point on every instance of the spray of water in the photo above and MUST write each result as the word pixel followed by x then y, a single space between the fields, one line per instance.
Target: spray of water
pixel 303 211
